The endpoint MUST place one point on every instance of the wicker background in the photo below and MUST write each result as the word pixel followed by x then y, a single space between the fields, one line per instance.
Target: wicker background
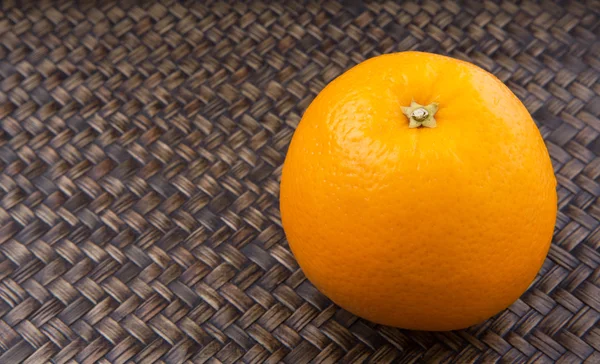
pixel 141 146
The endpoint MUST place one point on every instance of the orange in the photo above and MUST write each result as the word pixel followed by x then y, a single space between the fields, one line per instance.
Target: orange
pixel 431 217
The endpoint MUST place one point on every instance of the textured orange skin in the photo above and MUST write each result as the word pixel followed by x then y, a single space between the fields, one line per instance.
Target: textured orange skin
pixel 427 229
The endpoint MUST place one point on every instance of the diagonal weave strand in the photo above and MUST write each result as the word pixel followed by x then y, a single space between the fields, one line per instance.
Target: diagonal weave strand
pixel 141 146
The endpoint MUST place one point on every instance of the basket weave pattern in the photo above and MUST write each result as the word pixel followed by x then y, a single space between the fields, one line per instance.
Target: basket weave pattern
pixel 141 146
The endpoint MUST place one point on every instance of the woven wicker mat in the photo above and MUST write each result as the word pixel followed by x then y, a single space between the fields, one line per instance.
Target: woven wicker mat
pixel 141 147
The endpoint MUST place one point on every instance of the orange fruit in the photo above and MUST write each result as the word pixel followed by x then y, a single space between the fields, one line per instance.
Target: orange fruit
pixel 431 217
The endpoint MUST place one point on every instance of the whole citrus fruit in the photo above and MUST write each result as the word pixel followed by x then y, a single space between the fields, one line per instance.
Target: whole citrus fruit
pixel 417 192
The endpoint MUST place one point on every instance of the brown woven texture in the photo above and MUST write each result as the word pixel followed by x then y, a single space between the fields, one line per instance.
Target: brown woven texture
pixel 141 147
